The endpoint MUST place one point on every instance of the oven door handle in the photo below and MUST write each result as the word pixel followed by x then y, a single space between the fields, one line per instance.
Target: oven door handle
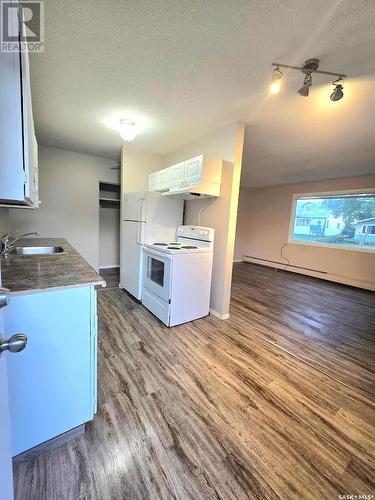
pixel 162 256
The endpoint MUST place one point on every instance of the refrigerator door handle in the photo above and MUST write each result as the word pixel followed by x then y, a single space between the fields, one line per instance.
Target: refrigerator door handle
pixel 140 208
pixel 140 221
pixel 139 233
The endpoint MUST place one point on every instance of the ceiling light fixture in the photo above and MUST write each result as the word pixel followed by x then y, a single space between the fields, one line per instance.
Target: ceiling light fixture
pixel 276 80
pixel 310 66
pixel 307 82
pixel 127 130
pixel 338 93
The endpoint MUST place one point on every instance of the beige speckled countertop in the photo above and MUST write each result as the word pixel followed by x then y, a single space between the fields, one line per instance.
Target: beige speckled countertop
pixel 34 273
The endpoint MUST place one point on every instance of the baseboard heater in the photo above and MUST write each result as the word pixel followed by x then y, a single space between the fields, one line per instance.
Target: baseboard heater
pixel 283 264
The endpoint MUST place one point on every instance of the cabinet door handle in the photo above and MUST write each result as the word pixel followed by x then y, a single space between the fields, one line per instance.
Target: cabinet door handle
pixel 4 296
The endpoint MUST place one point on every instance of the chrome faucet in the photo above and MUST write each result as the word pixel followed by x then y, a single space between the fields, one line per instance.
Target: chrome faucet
pixel 8 241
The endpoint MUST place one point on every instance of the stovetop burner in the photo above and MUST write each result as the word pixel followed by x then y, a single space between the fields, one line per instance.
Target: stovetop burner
pixel 175 245
pixel 170 243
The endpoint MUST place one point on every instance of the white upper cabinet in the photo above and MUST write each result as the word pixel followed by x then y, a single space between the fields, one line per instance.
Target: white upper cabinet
pixel 163 179
pixel 159 181
pixel 153 182
pixel 194 171
pixel 30 143
pixel 196 177
pixel 18 146
pixel 176 175
pixel 11 151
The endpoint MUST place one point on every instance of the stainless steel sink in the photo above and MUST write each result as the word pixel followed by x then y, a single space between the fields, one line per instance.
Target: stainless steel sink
pixel 35 250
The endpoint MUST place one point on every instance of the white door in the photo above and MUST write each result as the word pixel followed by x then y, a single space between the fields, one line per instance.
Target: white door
pixel 133 208
pixel 6 474
pixel 131 264
pixel 157 274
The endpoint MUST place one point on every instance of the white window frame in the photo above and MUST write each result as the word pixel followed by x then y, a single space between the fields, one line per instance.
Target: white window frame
pixel 323 194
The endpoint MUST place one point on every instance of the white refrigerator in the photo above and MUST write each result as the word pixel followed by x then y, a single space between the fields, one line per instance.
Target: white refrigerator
pixel 146 217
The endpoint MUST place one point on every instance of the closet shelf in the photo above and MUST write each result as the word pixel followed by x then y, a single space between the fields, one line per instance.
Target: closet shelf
pixel 111 200
pixel 109 186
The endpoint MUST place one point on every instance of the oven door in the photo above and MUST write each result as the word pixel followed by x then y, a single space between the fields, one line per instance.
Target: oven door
pixel 157 270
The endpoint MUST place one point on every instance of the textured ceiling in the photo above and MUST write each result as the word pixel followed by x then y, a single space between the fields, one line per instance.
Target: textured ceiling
pixel 183 68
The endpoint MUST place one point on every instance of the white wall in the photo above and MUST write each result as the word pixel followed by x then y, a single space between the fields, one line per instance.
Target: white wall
pixel 136 165
pixel 69 191
pixel 263 225
pixel 219 213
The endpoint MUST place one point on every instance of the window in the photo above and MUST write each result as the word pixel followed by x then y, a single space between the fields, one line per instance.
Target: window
pixel 302 222
pixel 156 271
pixel 340 219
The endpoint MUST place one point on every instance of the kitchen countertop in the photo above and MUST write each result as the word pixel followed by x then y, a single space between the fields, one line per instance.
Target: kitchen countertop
pixel 23 274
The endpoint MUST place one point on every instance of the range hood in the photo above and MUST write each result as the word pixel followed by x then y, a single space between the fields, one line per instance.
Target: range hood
pixel 205 190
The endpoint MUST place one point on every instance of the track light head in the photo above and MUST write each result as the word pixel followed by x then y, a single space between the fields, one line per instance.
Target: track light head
pixel 307 82
pixel 276 80
pixel 338 93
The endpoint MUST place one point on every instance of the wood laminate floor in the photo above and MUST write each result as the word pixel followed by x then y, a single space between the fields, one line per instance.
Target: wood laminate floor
pixel 328 325
pixel 245 408
pixel 111 276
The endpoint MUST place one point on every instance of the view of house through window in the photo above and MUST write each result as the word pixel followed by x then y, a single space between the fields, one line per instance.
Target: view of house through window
pixel 346 220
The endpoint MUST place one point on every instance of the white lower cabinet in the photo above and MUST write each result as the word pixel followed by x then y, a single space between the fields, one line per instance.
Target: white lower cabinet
pixel 54 377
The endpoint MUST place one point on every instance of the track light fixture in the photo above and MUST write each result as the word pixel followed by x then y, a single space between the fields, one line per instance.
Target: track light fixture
pixel 310 66
pixel 276 80
pixel 338 93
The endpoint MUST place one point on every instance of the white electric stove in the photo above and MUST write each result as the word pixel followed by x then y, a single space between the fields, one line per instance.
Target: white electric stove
pixel 177 275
